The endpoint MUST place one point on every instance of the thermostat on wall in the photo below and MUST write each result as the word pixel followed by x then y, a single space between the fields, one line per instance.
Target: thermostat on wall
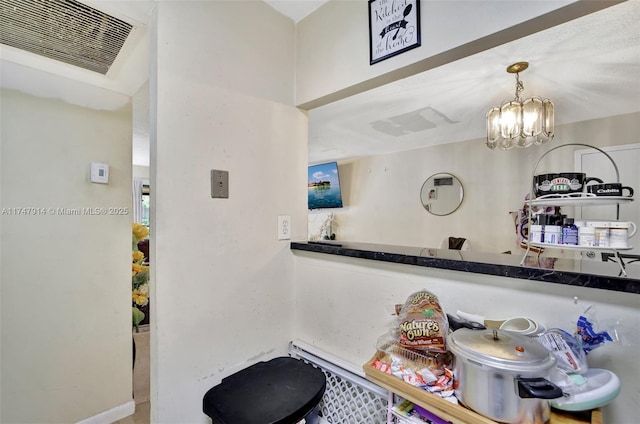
pixel 99 173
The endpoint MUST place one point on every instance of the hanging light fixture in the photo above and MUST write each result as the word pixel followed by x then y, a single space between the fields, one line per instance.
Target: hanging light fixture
pixel 520 123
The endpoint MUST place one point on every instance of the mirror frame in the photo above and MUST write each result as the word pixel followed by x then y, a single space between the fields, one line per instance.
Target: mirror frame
pixel 430 185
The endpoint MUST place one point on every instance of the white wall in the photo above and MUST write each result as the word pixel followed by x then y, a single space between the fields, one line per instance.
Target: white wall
pixel 66 279
pixel 140 171
pixel 332 50
pixel 343 305
pixel 141 130
pixel 221 281
pixel 382 193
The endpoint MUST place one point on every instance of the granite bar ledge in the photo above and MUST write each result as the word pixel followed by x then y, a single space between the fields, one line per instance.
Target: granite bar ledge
pixel 504 265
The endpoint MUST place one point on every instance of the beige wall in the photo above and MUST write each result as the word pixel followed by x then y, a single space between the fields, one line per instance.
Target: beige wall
pixel 66 279
pixel 222 281
pixel 382 193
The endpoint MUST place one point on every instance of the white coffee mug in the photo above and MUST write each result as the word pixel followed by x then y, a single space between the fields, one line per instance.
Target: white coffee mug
pixel 620 232
pixel 628 225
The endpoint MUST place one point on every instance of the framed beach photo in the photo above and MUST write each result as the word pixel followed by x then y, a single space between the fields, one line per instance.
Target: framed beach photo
pixel 324 186
pixel 394 28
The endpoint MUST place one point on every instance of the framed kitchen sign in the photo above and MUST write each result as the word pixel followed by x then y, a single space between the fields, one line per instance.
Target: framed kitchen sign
pixel 394 27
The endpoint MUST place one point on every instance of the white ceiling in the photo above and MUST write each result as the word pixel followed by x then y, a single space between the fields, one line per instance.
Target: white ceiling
pixel 589 68
pixel 295 9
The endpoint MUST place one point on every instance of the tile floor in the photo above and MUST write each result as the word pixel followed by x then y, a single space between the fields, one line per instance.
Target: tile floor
pixel 140 417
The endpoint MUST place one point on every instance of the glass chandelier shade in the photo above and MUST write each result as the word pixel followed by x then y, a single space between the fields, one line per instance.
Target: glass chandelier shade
pixel 517 122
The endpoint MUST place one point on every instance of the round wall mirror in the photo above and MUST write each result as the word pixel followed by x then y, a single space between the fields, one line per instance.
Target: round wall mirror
pixel 441 194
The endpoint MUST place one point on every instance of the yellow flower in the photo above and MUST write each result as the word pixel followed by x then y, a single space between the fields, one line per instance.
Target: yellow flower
pixel 139 274
pixel 138 256
pixel 139 298
pixel 140 232
pixel 137 268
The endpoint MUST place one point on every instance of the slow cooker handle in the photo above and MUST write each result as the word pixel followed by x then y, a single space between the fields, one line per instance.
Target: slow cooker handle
pixel 538 388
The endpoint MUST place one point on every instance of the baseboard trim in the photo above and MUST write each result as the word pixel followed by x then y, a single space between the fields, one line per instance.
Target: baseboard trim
pixel 112 415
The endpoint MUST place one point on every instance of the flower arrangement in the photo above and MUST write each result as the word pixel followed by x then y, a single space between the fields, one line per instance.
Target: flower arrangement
pixel 139 275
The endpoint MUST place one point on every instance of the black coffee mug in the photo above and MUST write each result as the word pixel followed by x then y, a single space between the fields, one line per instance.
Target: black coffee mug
pixel 609 189
pixel 561 183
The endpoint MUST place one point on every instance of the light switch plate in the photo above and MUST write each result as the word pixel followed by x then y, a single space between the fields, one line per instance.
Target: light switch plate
pixel 99 173
pixel 219 184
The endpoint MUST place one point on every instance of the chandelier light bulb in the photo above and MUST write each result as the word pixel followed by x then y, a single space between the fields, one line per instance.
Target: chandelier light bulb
pixel 520 123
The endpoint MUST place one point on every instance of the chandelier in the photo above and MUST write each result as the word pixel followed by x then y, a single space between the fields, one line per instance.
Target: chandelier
pixel 517 122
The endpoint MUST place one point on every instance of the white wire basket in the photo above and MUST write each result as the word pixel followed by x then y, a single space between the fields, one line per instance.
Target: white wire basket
pixel 348 398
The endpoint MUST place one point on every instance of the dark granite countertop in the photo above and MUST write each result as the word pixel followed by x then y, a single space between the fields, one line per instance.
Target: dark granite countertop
pixel 600 275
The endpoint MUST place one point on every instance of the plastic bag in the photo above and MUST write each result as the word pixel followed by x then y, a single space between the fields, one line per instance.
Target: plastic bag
pixel 589 333
pixel 566 349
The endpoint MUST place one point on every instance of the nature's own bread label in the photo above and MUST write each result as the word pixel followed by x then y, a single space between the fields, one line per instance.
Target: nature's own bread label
pixel 423 324
pixel 418 329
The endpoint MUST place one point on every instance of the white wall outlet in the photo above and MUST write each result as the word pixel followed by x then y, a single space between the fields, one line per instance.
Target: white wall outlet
pixel 99 173
pixel 284 227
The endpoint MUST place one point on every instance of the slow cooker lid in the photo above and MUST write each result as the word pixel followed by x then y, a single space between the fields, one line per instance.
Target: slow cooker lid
pixel 500 349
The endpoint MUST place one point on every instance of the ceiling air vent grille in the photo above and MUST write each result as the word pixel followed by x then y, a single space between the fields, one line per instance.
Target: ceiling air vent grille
pixel 63 30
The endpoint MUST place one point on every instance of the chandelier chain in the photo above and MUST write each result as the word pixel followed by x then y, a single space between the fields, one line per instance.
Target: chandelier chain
pixel 519 86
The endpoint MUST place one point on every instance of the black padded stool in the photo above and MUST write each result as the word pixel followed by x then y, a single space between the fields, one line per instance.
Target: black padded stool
pixel 280 391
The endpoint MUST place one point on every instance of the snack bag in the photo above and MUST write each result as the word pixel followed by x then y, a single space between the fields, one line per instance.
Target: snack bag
pixel 423 324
